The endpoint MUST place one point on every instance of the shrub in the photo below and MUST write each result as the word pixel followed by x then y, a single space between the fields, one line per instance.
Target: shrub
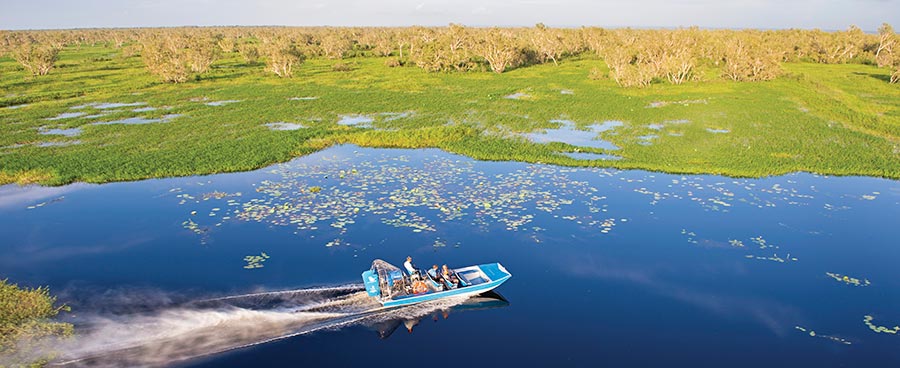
pixel 164 56
pixel 749 62
pixel 37 59
pixel 341 67
pixel 24 320
pixel 281 55
pixel 499 49
pixel 393 62
pixel 249 52
pixel 201 52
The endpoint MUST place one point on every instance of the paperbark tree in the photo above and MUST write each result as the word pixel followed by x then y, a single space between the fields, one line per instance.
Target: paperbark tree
pixel 201 52
pixel 164 56
pixel 887 40
pixel 281 55
pixel 498 48
pixel 547 42
pixel 37 59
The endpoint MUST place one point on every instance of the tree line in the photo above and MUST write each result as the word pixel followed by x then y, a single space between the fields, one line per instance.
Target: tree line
pixel 634 57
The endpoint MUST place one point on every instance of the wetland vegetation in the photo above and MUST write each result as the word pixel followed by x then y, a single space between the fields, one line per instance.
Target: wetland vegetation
pixel 129 104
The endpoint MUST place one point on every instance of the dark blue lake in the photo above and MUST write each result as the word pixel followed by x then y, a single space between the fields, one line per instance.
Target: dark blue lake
pixel 610 267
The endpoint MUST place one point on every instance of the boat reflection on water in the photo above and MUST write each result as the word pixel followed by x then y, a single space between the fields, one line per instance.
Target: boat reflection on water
pixel 487 300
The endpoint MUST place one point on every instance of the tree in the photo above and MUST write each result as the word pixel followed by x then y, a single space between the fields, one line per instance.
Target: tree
pixel 335 44
pixel 895 76
pixel 547 42
pixel 447 50
pixel 627 68
pixel 201 52
pixel 887 39
pixel 36 58
pixel 164 56
pixel 249 52
pixel 746 60
pixel 498 48
pixel 226 44
pixel 281 54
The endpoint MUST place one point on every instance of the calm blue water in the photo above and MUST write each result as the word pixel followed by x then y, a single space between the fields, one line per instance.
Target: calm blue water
pixel 610 268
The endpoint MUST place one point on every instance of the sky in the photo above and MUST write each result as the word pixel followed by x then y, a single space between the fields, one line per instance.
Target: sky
pixel 768 14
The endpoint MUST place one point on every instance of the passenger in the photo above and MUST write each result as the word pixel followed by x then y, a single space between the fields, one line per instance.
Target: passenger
pixel 433 272
pixel 454 281
pixel 409 266
pixel 445 272
pixel 448 277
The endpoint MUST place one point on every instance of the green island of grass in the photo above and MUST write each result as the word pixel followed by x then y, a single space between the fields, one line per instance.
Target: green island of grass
pixel 25 323
pixel 834 119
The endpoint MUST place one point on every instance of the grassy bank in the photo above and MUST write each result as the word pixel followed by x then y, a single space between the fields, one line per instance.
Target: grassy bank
pixel 25 320
pixel 829 119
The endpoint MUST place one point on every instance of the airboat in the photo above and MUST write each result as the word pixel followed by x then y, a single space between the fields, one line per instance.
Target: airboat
pixel 394 288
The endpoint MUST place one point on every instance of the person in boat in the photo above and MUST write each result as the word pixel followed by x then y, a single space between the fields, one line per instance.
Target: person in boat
pixel 410 268
pixel 433 272
pixel 449 277
pixel 454 282
pixel 435 275
pixel 445 272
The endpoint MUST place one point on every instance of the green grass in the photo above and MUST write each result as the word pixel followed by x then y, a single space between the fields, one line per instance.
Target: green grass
pixel 24 320
pixel 829 119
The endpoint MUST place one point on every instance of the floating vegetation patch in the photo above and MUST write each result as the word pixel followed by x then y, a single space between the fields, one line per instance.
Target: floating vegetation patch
pixel 591 156
pixel 64 132
pixel 67 115
pixel 221 103
pixel 219 195
pixel 774 258
pixel 870 197
pixel 762 243
pixel 140 120
pixel 812 333
pixel 418 196
pixel 879 329
pixel 848 280
pixel 690 235
pixel 254 261
pixel 196 229
pixel 717 131
pixel 284 126
pixel 569 134
pixel 359 121
pixel 42 204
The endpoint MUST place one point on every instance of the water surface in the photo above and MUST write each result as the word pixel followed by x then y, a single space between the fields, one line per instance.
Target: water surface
pixel 610 267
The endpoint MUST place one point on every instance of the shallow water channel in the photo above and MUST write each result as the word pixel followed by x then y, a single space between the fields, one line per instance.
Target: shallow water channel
pixel 610 267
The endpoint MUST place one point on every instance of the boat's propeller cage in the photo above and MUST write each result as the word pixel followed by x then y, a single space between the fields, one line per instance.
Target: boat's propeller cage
pixel 384 280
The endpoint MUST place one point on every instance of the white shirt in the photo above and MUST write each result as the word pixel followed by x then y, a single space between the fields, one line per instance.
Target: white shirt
pixel 409 267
